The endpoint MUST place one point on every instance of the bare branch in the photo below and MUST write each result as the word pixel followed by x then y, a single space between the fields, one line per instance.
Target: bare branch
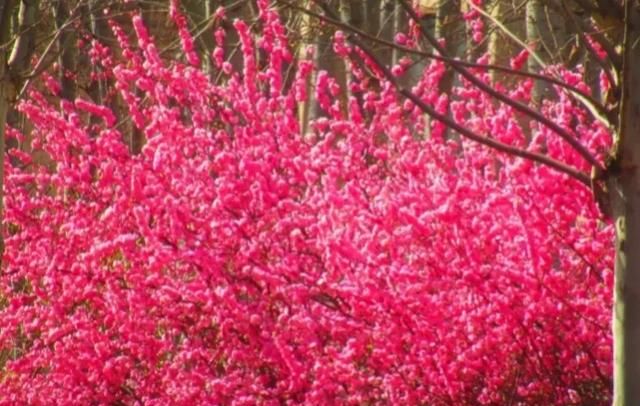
pixel 597 110
pixel 460 67
pixel 463 131
pixel 522 108
pixel 467 133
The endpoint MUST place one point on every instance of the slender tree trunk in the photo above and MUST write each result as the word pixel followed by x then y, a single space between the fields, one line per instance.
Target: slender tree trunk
pixel 5 99
pixel 449 27
pixel 474 50
pixel 548 35
pixel 501 47
pixel 19 63
pixel 200 13
pixel 100 29
pixel 209 44
pixel 387 30
pixel 534 23
pixel 496 8
pixel 624 188
pixel 371 16
pixel 13 66
pixel 327 60
pixel 4 109
pixel 66 49
pixel 400 24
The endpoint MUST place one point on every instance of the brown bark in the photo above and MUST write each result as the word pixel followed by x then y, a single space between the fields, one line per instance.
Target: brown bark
pixel 501 47
pixel 450 28
pixel 13 67
pixel 624 188
pixel 66 50
pixel 534 25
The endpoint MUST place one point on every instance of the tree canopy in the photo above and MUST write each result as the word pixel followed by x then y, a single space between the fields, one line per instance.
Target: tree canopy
pixel 211 224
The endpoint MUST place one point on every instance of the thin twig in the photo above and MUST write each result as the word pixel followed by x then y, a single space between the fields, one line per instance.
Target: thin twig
pixel 467 133
pixel 522 108
pixel 597 110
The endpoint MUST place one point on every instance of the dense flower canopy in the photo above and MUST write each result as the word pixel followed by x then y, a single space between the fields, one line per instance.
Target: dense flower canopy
pixel 236 261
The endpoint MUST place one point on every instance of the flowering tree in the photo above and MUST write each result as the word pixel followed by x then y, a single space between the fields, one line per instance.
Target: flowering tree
pixel 614 183
pixel 237 261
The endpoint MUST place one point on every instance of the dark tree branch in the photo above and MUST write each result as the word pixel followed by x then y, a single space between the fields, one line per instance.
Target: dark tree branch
pixel 463 131
pixel 522 108
pixel 597 110
pixel 467 133
pixel 460 68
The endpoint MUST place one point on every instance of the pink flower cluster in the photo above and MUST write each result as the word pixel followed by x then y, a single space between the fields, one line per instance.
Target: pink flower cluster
pixel 236 261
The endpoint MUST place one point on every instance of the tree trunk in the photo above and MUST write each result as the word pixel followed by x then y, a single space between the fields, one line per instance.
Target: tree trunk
pixel 534 23
pixel 387 30
pixel 450 28
pixel 200 12
pixel 371 16
pixel 326 60
pixel 13 67
pixel 66 47
pixel 19 64
pixel 496 39
pixel 100 30
pixel 4 109
pixel 5 85
pixel 501 47
pixel 624 188
pixel 400 24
